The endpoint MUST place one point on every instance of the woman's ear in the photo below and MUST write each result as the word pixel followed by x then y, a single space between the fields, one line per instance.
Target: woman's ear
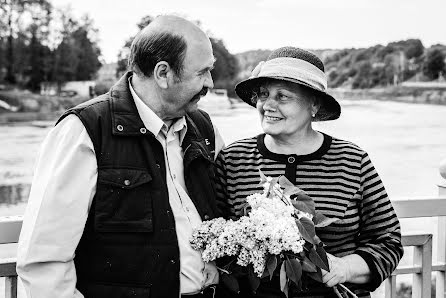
pixel 315 106
pixel 162 74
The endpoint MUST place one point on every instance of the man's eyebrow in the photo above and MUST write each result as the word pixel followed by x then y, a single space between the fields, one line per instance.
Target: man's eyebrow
pixel 213 64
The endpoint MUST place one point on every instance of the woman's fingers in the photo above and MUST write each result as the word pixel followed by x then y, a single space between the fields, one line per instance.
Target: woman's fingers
pixel 337 273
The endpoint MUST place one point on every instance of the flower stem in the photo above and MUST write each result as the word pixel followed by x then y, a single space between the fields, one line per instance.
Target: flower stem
pixel 348 290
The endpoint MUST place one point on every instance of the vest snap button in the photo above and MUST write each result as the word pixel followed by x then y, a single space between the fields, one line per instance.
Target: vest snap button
pixel 291 159
pixel 127 182
pixel 172 261
pixel 143 130
pixel 158 166
pixel 206 217
pixel 120 127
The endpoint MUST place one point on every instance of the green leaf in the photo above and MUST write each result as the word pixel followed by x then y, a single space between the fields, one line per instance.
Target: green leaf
pixel 230 282
pixel 323 255
pixel 303 231
pixel 316 259
pixel 272 184
pixel 283 280
pixel 317 276
pixel 289 188
pixel 254 280
pixel 307 202
pixel 301 206
pixel 308 266
pixel 265 273
pixel 262 177
pixel 293 270
pixel 318 241
pixel 309 226
pixel 271 265
pixel 321 220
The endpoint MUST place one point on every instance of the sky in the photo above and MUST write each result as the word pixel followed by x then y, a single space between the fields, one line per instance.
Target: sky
pixel 268 24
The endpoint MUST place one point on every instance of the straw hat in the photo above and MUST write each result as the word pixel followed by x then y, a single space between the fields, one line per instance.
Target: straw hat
pixel 297 66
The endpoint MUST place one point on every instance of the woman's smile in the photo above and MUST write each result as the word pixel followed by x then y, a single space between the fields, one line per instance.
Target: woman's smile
pixel 272 118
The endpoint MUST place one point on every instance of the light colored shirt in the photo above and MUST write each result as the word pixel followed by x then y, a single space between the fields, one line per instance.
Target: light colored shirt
pixel 63 188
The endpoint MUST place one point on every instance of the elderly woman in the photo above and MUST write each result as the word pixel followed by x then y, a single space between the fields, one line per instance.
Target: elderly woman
pixel 289 92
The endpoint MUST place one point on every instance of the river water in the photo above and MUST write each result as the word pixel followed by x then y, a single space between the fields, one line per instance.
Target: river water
pixel 406 143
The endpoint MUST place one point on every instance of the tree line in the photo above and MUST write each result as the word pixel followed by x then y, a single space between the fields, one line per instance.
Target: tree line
pixel 380 66
pixel 376 66
pixel 40 43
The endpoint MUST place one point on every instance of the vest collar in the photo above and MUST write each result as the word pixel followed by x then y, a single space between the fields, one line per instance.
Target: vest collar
pixel 127 122
pixel 125 118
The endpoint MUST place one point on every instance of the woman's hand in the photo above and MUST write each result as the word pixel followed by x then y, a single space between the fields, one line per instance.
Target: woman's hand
pixel 339 271
pixel 351 268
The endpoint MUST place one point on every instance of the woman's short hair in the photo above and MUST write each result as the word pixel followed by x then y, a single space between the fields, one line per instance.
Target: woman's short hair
pixel 149 49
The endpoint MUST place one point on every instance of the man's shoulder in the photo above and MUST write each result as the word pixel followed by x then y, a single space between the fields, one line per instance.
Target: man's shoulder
pixel 97 102
pixel 199 115
pixel 97 105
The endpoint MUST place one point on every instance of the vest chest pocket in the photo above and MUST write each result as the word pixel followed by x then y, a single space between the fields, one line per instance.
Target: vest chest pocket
pixel 122 202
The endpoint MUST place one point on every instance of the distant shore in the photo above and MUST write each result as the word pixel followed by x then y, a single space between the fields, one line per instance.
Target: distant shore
pixel 39 108
pixel 436 96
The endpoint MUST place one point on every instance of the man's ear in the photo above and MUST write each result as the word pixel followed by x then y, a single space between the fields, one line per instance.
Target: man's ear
pixel 162 74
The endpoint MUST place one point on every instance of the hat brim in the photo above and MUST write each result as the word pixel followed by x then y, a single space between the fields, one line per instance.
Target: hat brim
pixel 329 110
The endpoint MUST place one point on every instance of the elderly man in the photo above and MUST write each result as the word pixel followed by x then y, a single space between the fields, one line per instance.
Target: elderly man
pixel 124 178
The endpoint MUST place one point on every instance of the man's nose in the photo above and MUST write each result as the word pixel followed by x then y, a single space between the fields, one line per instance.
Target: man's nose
pixel 208 82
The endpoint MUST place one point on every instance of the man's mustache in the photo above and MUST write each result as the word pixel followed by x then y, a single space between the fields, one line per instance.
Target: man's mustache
pixel 203 92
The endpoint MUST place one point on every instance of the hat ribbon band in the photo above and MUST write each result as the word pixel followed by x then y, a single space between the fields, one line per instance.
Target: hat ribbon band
pixel 296 69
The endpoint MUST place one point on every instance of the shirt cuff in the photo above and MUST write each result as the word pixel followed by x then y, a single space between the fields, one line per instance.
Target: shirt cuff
pixel 375 278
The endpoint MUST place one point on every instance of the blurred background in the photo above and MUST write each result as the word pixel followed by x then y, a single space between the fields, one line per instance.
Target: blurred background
pixel 385 62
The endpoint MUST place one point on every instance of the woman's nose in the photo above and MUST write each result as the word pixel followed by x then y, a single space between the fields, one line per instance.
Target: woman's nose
pixel 270 103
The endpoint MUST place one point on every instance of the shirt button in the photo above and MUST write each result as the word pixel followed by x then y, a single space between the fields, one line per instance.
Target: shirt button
pixel 187 209
pixel 143 130
pixel 291 159
pixel 120 127
pixel 127 182
pixel 174 176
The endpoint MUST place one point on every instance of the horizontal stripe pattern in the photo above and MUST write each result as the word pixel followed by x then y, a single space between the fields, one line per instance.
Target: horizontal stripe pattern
pixel 343 183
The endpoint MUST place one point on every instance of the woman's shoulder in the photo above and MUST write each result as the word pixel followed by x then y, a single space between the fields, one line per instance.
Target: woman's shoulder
pixel 340 145
pixel 246 144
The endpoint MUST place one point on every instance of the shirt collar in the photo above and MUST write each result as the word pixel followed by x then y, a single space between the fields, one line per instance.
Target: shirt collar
pixel 154 123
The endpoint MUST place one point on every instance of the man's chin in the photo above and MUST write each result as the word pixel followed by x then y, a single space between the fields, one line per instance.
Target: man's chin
pixel 192 106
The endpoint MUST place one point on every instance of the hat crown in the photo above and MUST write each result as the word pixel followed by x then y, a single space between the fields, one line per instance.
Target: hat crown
pixel 292 52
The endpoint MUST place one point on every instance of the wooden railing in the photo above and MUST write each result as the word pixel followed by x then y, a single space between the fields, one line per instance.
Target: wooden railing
pixel 9 233
pixel 422 266
pixel 421 269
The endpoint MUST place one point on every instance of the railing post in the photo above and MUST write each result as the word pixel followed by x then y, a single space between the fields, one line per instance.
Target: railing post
pixel 11 287
pixel 441 232
pixel 421 286
pixel 390 287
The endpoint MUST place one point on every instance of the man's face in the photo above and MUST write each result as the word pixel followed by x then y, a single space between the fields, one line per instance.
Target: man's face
pixel 185 92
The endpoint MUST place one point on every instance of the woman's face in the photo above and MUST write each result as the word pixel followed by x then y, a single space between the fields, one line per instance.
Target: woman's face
pixel 285 108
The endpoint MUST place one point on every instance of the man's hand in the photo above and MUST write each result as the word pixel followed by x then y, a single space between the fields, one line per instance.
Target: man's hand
pixel 339 271
pixel 255 72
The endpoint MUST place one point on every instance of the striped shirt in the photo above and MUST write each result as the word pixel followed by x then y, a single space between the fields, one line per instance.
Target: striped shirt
pixel 344 184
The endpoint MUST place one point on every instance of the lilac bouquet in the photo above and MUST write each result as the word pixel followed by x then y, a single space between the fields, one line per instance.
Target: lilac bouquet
pixel 276 233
